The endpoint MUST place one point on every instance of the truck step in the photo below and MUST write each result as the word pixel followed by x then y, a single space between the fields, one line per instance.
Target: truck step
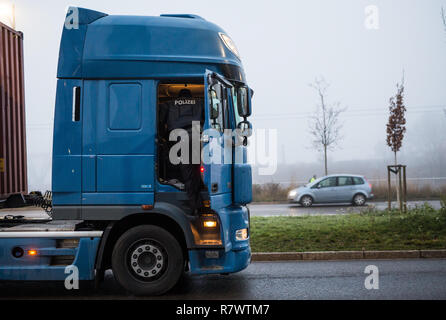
pixel 60 225
pixel 67 243
pixel 61 260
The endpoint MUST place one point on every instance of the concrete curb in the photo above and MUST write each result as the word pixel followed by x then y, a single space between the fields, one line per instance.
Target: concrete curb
pixel 347 255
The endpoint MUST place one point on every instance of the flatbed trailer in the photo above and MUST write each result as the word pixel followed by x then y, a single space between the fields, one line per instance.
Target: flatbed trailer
pixel 30 213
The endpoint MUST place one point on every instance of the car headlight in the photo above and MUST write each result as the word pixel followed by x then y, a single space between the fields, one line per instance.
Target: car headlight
pixel 292 193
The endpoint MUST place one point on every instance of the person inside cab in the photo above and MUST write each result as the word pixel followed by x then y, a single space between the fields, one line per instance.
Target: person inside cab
pixel 180 113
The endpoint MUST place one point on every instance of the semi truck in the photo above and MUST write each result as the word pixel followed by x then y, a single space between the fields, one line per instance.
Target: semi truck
pixel 117 201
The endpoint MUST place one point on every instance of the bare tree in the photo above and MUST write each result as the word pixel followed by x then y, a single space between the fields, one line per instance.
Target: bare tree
pixel 324 125
pixel 396 127
pixel 443 17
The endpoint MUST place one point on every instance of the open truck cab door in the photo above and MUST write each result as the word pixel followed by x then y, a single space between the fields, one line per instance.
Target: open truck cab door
pixel 227 175
pixel 225 135
pixel 217 175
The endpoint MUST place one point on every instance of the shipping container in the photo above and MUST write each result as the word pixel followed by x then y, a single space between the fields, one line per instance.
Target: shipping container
pixel 13 167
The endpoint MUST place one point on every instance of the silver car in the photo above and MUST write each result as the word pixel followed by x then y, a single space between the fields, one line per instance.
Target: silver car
pixel 339 188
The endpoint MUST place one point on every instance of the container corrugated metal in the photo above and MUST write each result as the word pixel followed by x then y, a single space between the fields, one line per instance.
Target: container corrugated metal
pixel 13 167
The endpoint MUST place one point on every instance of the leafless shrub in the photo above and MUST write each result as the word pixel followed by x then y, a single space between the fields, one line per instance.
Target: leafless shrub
pixel 270 192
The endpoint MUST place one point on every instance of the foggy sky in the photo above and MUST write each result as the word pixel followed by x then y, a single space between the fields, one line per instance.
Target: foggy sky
pixel 284 46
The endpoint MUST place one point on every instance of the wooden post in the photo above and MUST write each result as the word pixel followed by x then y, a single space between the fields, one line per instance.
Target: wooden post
pixel 400 187
pixel 389 194
pixel 405 188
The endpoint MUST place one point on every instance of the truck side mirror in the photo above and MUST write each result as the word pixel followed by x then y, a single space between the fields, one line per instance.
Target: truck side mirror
pixel 244 101
pixel 250 95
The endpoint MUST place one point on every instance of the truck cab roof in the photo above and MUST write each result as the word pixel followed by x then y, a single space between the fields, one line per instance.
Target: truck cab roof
pixel 118 46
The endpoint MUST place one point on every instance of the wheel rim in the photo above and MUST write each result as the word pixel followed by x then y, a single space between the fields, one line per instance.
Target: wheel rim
pixel 306 201
pixel 359 200
pixel 147 260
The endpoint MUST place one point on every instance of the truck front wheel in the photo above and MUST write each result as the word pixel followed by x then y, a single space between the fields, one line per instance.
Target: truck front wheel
pixel 147 260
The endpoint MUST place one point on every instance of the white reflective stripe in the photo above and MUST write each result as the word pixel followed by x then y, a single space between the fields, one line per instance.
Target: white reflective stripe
pixel 51 234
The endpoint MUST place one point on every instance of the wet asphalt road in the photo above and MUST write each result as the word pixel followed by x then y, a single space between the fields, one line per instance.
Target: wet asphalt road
pixel 291 209
pixel 398 279
pixel 265 210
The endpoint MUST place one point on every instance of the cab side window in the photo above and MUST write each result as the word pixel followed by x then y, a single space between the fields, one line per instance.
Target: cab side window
pixel 358 180
pixel 226 118
pixel 217 100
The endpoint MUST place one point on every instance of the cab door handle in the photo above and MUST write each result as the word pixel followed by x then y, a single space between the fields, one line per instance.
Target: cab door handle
pixel 76 112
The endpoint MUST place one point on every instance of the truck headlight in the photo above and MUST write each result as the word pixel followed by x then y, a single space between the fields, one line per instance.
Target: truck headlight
pixel 241 234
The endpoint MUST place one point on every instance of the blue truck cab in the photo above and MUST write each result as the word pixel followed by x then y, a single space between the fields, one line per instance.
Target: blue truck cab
pixel 115 195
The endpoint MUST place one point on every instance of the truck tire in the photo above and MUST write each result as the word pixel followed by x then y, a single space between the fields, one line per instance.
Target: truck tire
pixel 147 260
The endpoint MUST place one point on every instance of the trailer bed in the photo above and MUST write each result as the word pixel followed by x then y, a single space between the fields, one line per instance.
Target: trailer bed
pixel 27 212
pixel 33 219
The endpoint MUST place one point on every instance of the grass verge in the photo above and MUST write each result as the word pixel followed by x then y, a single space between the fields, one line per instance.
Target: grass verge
pixel 419 228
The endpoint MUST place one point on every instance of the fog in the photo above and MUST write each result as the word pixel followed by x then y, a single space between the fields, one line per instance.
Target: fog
pixel 284 46
pixel 423 151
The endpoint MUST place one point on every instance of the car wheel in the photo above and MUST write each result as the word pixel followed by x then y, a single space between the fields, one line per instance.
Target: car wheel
pixel 306 201
pixel 359 200
pixel 147 260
